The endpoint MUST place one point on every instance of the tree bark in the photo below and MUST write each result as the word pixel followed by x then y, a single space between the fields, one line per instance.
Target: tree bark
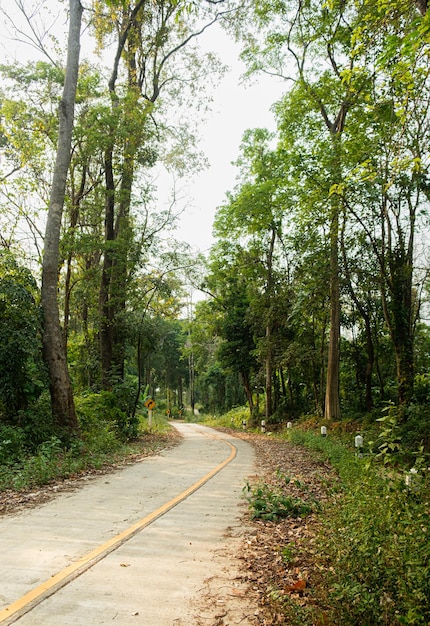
pixel 62 404
pixel 332 404
pixel 269 327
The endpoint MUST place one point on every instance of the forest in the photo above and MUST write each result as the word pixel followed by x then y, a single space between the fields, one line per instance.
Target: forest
pixel 314 299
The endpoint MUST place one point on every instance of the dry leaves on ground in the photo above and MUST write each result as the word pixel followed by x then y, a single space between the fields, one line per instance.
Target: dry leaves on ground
pixel 276 559
pixel 280 559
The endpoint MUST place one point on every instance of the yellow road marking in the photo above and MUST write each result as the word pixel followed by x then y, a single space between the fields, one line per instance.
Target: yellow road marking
pixel 72 571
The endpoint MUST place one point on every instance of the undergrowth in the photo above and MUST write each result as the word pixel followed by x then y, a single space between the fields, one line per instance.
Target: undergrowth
pixel 98 446
pixel 374 548
pixel 272 503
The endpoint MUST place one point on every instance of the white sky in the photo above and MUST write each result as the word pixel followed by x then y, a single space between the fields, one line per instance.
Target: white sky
pixel 236 108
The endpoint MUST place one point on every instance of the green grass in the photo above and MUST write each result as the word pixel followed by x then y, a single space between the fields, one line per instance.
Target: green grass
pixel 372 562
pixel 272 503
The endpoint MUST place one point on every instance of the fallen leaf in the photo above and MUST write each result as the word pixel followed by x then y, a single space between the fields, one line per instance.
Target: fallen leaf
pixel 299 585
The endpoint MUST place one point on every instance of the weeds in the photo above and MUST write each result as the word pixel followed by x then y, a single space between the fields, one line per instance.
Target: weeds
pixel 375 540
pixel 99 445
pixel 272 504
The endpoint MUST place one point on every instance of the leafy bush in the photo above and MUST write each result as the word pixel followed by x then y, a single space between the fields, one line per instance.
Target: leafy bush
pixel 19 337
pixel 109 407
pixel 232 419
pixel 272 504
pixel 416 428
pixel 377 544
pixel 37 422
pixel 12 442
pixel 97 426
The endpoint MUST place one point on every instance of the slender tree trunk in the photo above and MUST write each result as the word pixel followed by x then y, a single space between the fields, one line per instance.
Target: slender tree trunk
pixel 269 373
pixel 332 404
pixel 400 311
pixel 248 391
pixel 105 308
pixel 399 307
pixel 364 312
pixel 370 349
pixel 53 343
pixel 74 215
pixel 113 285
pixel 269 354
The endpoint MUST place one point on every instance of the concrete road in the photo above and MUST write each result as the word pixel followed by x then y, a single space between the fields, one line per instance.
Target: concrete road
pixel 143 568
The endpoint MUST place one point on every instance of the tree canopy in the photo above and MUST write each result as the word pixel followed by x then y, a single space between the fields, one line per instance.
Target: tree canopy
pixel 315 293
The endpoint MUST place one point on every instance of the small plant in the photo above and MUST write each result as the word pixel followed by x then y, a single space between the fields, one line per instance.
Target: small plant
pixel 388 444
pixel 287 554
pixel 272 504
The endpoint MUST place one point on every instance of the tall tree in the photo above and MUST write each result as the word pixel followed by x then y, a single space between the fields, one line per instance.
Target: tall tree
pixel 150 36
pixel 253 215
pixel 312 36
pixel 230 306
pixel 53 343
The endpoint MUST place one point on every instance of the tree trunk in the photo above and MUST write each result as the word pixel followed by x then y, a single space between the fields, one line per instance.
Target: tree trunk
pixel 269 373
pixel 105 308
pixel 422 6
pixel 370 363
pixel 63 409
pixel 113 285
pixel 400 309
pixel 74 215
pixel 248 392
pixel 269 353
pixel 332 404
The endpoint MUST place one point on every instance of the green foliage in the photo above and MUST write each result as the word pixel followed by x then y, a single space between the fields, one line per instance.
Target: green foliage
pixel 388 444
pixel 232 419
pixel 112 408
pixel 273 504
pixel 20 347
pixel 380 553
pixel 415 430
pixel 96 425
pixel 98 445
pixel 374 546
pixel 37 422
pixel 12 441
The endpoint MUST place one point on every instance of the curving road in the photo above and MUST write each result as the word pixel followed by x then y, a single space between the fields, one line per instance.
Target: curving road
pixel 139 546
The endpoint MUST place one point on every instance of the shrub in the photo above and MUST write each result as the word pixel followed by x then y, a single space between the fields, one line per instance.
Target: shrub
pixel 12 443
pixel 272 504
pixel 376 542
pixel 37 422
pixel 232 419
pixel 109 407
pixel 20 346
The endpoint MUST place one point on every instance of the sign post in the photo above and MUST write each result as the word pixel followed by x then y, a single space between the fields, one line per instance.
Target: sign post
pixel 150 405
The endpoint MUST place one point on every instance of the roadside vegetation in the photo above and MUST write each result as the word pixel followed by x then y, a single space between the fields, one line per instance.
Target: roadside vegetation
pixel 30 459
pixel 367 559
